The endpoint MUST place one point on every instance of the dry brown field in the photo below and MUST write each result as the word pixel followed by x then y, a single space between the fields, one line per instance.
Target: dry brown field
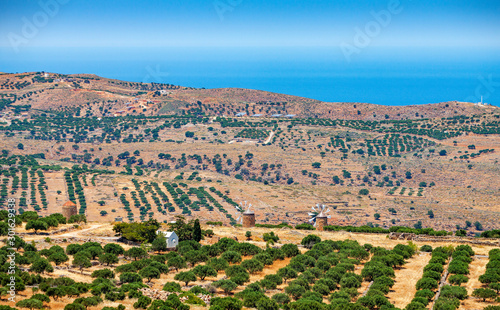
pixel 462 192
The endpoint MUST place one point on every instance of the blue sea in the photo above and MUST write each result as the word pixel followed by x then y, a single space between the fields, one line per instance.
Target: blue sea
pixel 385 77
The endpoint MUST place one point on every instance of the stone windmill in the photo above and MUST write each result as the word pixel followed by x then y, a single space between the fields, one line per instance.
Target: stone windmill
pixel 69 209
pixel 247 218
pixel 319 216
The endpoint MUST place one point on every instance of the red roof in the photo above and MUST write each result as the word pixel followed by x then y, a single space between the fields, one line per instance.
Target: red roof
pixel 69 204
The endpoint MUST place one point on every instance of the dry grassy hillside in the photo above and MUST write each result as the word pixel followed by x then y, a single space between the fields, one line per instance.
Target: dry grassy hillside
pixel 153 155
pixel 100 96
pixel 441 171
pixel 463 190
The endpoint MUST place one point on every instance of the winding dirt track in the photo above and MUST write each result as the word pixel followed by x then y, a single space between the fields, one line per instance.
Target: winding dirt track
pixel 271 135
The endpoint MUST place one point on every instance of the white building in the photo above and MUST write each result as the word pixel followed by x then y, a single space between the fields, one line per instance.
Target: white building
pixel 481 104
pixel 171 236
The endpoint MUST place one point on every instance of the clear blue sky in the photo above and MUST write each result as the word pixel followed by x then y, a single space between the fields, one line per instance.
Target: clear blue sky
pixel 256 23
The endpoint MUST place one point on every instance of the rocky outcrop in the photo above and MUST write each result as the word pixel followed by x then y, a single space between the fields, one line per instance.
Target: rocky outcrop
pixel 163 295
pixel 401 236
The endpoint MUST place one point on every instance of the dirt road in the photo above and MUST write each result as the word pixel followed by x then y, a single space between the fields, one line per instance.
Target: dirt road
pixel 271 135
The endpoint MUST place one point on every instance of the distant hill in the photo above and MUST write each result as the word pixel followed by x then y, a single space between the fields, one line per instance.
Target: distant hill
pixel 94 95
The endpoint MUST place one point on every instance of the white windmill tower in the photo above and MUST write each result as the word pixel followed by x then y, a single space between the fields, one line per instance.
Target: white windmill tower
pixel 319 215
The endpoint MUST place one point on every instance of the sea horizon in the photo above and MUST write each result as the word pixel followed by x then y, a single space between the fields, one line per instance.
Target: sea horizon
pixel 322 74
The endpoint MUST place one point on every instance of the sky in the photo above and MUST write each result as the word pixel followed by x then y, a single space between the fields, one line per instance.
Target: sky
pixel 81 36
pixel 248 23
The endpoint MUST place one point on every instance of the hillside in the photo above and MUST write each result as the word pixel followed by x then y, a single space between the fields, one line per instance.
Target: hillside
pixel 323 270
pixel 135 158
pixel 173 157
pixel 99 96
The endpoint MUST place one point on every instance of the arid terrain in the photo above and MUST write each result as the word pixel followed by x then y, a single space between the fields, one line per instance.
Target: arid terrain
pixel 139 153
pixel 415 160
